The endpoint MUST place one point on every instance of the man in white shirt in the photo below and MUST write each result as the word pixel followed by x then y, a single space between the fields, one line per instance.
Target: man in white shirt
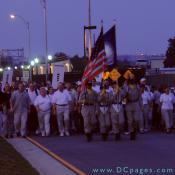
pixel 61 100
pixel 43 106
pixel 32 122
pixel 167 100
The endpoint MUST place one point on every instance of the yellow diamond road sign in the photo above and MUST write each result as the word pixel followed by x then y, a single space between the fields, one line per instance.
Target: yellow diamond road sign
pixel 114 75
pixel 128 74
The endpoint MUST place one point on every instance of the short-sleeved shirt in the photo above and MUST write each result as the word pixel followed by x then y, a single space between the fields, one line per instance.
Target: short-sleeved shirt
pixel 44 103
pixel 20 101
pixel 61 98
pixel 167 101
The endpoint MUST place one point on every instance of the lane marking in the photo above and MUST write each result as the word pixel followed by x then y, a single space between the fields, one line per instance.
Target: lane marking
pixel 58 158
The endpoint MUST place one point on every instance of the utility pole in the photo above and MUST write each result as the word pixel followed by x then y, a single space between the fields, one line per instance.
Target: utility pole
pixel 44 5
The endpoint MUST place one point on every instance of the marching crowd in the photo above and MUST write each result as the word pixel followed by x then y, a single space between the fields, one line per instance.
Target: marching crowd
pixel 134 107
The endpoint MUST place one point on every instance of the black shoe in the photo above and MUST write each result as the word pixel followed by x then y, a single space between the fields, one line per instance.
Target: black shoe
pixel 104 136
pixel 117 137
pixel 89 137
pixel 132 136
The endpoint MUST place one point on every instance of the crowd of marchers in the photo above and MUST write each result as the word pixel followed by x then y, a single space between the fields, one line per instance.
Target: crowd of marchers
pixel 100 107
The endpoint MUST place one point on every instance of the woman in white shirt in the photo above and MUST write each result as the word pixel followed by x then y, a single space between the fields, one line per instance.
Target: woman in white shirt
pixel 167 100
pixel 43 105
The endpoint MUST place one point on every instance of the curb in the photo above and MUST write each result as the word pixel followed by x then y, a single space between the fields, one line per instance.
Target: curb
pixel 58 158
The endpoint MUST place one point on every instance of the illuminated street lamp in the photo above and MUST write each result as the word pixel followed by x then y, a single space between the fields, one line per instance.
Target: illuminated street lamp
pixel 1 69
pixel 22 67
pixel 8 68
pixel 16 67
pixel 36 60
pixel 50 57
pixel 12 16
pixel 32 63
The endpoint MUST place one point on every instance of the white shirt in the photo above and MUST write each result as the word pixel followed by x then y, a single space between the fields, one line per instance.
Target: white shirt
pixel 146 98
pixel 167 101
pixel 32 95
pixel 61 98
pixel 44 103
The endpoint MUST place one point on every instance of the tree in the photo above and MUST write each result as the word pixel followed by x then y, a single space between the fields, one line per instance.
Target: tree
pixel 60 56
pixel 170 54
pixel 79 63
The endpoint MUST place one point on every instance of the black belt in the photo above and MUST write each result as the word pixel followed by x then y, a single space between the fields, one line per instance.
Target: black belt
pixel 62 104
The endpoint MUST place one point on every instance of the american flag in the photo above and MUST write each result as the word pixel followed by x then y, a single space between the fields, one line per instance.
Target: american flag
pixel 97 64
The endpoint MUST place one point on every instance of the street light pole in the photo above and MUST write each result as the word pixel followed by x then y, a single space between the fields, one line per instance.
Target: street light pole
pixel 29 41
pixel 44 5
pixel 27 24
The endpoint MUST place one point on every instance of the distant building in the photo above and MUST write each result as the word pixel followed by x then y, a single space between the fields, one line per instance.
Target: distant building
pixel 144 63
pixel 41 68
pixel 156 62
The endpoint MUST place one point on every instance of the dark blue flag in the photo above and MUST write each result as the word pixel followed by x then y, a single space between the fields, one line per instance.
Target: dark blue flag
pixel 110 47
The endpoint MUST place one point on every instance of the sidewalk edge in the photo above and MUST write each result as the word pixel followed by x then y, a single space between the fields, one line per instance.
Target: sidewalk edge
pixel 58 158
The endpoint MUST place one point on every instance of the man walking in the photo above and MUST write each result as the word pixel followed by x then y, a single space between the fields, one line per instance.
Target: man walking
pixel 61 100
pixel 20 103
pixel 88 99
pixel 133 108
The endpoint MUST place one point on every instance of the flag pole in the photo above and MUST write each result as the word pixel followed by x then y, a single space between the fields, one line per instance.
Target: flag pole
pixel 89 20
pixel 115 24
pixel 84 43
pixel 104 48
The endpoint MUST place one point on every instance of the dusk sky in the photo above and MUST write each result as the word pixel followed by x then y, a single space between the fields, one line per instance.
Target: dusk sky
pixel 143 26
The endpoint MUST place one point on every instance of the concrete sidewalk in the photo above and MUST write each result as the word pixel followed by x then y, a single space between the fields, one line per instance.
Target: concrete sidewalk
pixel 41 161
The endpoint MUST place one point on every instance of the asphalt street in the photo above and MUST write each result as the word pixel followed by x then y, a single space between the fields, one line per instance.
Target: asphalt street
pixel 150 151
